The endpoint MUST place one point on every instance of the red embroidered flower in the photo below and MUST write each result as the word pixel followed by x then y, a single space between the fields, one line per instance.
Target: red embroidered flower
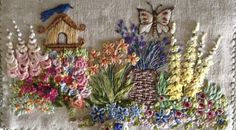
pixel 178 114
pixel 53 95
pixel 161 98
pixel 68 80
pixel 201 106
pixel 201 95
pixel 27 89
pixel 187 104
pixel 149 113
pixel 200 112
pixel 210 103
pixel 58 79
pixel 210 114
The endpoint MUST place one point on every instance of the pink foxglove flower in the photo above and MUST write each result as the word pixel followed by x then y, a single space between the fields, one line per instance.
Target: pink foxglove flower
pixel 13 72
pixel 46 64
pixel 23 75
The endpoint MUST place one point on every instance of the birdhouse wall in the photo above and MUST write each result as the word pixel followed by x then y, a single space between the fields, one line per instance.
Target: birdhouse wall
pixel 71 33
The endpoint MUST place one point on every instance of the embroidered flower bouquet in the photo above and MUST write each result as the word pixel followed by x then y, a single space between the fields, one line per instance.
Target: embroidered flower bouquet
pixel 135 81
pixel 176 94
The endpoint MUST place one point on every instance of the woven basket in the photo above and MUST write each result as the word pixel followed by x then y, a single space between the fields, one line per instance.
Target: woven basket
pixel 143 91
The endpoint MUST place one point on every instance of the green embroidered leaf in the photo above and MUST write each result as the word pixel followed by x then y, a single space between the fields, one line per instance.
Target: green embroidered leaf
pixel 213 91
pixel 110 85
pixel 78 52
pixel 162 84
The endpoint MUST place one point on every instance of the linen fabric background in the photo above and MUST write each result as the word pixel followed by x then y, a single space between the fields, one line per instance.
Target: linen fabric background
pixel 216 17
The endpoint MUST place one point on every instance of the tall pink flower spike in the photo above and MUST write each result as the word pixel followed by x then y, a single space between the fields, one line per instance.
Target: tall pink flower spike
pixel 12 65
pixel 26 60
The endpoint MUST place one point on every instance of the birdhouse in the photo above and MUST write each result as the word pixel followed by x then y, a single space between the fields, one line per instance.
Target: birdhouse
pixel 63 33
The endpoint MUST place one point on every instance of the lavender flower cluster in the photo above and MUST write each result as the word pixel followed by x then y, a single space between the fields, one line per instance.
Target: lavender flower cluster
pixel 152 53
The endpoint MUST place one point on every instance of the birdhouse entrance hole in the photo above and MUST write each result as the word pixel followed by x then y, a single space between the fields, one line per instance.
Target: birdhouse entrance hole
pixel 62 38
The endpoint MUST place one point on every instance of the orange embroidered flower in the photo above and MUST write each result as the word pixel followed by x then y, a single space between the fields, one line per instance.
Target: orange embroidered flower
pixel 109 48
pixel 123 46
pixel 74 85
pixel 94 53
pixel 115 59
pixel 104 62
pixel 93 69
pixel 133 59
pixel 17 106
pixel 78 103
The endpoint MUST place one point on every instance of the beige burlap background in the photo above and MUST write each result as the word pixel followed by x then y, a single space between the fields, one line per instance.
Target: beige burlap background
pixel 100 16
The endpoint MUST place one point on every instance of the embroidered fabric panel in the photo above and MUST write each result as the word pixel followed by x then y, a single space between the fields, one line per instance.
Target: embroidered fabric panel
pixel 101 18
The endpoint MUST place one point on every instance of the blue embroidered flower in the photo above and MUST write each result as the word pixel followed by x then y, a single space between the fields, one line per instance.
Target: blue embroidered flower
pixel 98 114
pixel 70 70
pixel 72 92
pixel 162 118
pixel 64 88
pixel 118 126
pixel 117 112
pixel 220 121
pixel 111 106
pixel 134 112
pixel 53 55
pixel 71 59
pixel 121 113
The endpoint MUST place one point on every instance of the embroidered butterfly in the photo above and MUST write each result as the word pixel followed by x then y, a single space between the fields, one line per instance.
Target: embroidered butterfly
pixel 157 20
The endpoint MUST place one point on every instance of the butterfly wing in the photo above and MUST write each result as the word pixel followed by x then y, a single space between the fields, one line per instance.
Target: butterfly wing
pixel 161 28
pixel 145 21
pixel 163 19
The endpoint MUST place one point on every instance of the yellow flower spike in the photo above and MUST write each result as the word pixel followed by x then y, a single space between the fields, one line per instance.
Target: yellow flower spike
pixel 174 89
